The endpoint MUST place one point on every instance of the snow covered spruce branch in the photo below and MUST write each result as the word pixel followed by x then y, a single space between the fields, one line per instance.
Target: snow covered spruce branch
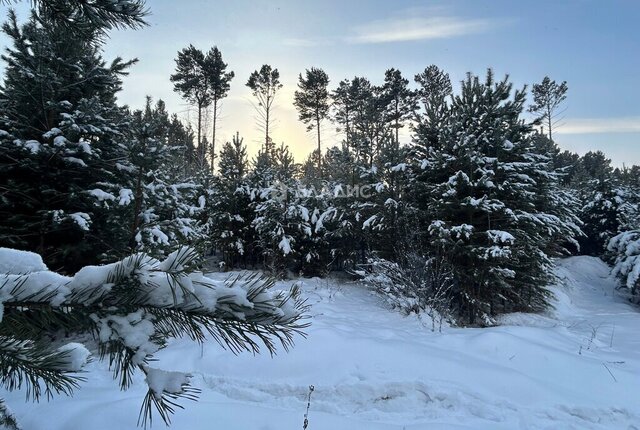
pixel 131 308
pixel 625 249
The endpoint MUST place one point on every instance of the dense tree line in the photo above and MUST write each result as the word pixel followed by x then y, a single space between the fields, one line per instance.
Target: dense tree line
pixel 475 181
pixel 420 169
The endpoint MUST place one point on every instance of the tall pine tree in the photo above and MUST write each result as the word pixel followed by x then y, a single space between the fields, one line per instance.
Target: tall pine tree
pixel 312 101
pixel 219 81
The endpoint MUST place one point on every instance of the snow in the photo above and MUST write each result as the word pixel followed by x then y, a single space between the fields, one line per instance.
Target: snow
pixel 499 236
pixel 304 212
pixel 59 141
pixel 367 223
pixel 16 262
pixel 462 231
pixel 159 235
pixel 76 356
pixel 285 245
pixel 328 214
pixel 161 381
pixel 399 167
pixel 75 160
pixel 32 145
pixel 391 203
pixel 83 220
pixel 55 131
pixel 161 289
pixel 135 330
pixel 35 284
pixel 459 178
pixel 496 252
pixel 125 197
pixel 101 195
pixel 85 146
pixel 125 168
pixel 574 367
pixel 626 247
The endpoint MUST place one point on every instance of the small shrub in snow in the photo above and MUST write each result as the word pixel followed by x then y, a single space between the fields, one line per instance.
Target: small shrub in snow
pixel 421 284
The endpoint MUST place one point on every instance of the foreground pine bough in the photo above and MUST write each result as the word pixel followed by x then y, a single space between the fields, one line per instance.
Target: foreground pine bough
pixel 131 308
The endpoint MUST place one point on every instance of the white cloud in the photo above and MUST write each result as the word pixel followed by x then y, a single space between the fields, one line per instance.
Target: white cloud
pixel 420 28
pixel 409 25
pixel 600 125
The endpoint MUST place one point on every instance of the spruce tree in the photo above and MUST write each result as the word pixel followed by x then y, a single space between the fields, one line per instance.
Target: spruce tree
pixel 339 165
pixel 601 215
pixel 182 137
pixel 231 212
pixel 233 159
pixel 481 176
pixel 161 202
pixel 433 93
pixel 433 96
pixel 601 202
pixel 288 221
pixel 625 251
pixel 311 174
pixel 59 153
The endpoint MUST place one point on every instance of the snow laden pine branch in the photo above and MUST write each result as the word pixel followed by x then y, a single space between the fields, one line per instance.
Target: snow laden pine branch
pixel 624 248
pixel 132 308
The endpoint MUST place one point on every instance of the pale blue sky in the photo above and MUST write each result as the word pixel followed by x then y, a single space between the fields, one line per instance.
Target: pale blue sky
pixel 593 45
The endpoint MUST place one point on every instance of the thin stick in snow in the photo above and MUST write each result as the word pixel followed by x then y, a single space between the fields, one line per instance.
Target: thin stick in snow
pixel 612 333
pixel 306 414
pixel 607 367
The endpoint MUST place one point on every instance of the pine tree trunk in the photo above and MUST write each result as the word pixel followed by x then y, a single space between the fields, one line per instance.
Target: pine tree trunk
pixel 319 153
pixel 347 127
pixel 549 122
pixel 397 126
pixel 266 134
pixel 213 137
pixel 137 205
pixel 200 149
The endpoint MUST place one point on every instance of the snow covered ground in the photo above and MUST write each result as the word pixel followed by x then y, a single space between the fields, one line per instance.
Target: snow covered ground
pixel 577 367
